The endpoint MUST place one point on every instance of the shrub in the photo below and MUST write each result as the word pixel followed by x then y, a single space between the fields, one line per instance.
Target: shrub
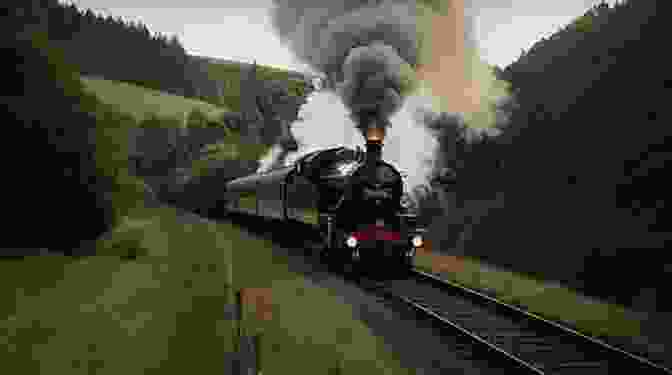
pixel 197 120
pixel 126 241
pixel 153 120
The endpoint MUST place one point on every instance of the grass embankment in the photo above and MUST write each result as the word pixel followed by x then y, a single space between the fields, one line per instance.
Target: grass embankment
pixel 553 302
pixel 141 102
pixel 164 311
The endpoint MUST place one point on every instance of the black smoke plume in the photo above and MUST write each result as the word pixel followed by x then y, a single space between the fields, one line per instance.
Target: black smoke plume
pixel 368 49
pixel 377 54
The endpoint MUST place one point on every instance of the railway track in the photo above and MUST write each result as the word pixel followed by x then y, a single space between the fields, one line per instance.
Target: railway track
pixel 522 342
pixel 512 339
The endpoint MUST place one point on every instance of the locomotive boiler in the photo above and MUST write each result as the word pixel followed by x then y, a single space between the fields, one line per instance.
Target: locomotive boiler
pixel 350 198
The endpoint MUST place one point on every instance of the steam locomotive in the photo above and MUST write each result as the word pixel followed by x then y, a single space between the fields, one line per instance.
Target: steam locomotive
pixel 351 199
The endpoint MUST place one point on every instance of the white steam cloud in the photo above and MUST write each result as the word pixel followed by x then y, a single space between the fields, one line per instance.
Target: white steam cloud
pixel 327 124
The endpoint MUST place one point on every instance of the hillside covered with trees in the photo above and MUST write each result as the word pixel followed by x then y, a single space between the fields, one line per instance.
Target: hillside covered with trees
pixel 118 50
pixel 575 188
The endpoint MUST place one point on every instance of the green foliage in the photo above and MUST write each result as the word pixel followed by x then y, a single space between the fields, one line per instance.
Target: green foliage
pixel 440 6
pixel 231 100
pixel 229 75
pixel 151 121
pixel 199 120
pixel 584 23
pixel 296 87
pixel 97 131
pixel 196 119
pixel 112 159
pixel 215 100
pixel 63 176
pixel 233 148
pixel 221 147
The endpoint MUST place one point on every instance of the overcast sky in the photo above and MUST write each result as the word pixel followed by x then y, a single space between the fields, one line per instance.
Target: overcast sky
pixel 241 29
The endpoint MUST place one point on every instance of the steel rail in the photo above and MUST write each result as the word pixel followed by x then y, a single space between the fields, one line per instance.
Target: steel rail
pixel 516 362
pixel 484 298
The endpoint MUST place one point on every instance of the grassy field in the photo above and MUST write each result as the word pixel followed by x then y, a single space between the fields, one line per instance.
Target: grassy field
pixel 141 102
pixel 164 311
pixel 550 301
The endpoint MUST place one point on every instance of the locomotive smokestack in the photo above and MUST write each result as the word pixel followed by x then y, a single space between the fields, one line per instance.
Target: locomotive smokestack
pixel 375 134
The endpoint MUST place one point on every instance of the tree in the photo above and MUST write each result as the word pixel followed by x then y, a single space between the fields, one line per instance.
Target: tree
pixel 55 196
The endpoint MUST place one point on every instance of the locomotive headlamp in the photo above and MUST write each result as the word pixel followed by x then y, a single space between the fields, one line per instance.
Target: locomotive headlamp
pixel 417 241
pixel 351 241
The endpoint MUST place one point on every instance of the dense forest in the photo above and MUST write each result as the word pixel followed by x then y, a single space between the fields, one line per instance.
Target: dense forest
pixel 575 187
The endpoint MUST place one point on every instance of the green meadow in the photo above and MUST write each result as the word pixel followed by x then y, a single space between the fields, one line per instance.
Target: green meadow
pixel 163 312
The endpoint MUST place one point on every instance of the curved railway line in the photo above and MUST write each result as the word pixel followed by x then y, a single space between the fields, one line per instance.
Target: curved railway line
pixel 523 342
pixel 501 334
